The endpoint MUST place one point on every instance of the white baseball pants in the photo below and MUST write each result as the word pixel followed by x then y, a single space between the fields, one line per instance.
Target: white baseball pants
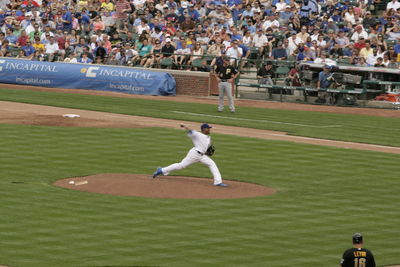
pixel 225 88
pixel 192 157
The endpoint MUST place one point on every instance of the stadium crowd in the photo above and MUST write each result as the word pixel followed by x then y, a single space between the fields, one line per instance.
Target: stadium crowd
pixel 195 34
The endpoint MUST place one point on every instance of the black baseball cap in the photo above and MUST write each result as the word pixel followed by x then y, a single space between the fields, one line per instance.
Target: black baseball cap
pixel 205 126
pixel 357 238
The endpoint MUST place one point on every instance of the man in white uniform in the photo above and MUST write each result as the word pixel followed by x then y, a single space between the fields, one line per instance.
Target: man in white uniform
pixel 201 141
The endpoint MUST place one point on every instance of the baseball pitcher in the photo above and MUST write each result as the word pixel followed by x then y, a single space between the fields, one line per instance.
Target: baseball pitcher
pixel 201 152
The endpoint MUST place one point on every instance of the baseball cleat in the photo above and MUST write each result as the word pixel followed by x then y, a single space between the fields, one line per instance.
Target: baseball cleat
pixel 222 185
pixel 157 172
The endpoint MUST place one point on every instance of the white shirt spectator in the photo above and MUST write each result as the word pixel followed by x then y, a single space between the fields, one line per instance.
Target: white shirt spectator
pixel 140 29
pixel 280 6
pixel 139 3
pixel 234 53
pixel 292 45
pixel 29 28
pixel 270 24
pixel 357 35
pixel 259 41
pixel 321 43
pixel 51 48
pixel 226 43
pixel 184 51
pixel 349 17
pixel 328 61
pixel 156 35
pixel 371 59
pixel 314 37
pixel 203 39
pixel 43 36
pixel 393 5
pixel 70 60
pixel 247 40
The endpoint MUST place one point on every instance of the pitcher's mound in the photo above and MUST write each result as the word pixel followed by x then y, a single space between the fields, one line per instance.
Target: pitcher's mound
pixel 142 185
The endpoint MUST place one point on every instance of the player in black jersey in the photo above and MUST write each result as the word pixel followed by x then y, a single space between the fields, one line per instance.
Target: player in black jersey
pixel 357 256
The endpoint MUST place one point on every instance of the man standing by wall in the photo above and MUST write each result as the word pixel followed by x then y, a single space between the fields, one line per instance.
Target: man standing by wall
pixel 324 82
pixel 226 73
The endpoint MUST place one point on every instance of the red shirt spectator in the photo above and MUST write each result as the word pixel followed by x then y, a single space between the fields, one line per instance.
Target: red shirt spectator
pixel 30 3
pixel 122 9
pixel 22 39
pixel 360 44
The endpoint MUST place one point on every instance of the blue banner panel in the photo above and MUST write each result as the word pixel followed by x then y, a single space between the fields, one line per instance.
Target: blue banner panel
pixel 86 76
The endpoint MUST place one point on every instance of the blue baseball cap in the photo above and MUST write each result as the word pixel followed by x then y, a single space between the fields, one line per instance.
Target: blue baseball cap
pixel 205 126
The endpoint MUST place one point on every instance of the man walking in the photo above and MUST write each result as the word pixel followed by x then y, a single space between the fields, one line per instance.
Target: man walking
pixel 357 256
pixel 199 153
pixel 226 73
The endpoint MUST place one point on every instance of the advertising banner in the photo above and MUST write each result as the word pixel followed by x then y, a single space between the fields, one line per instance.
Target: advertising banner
pixel 86 76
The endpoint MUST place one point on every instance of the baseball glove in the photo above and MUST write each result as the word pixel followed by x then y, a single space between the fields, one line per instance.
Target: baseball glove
pixel 210 151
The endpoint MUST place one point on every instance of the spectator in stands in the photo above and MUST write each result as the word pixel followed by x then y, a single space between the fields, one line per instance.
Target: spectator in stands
pixel 22 39
pixel 234 52
pixel 181 56
pixel 144 51
pixel 11 37
pixel 108 5
pixel 285 15
pixel 67 19
pixel 28 49
pixel 379 63
pixel 393 33
pixel 168 49
pixel 80 46
pixel 293 43
pixel 293 78
pixel 394 4
pixel 369 21
pixel 123 8
pixel 303 34
pixel 393 64
pixel 85 59
pixel 342 42
pixel 359 33
pixel 52 49
pixel 99 51
pixel 197 53
pixel 71 58
pixel 324 82
pixel 260 40
pixel 385 60
pixel 188 24
pixel 155 56
pixel 367 50
pixel 371 59
pixel 279 52
pixel 36 56
pixel 266 73
pixel 121 57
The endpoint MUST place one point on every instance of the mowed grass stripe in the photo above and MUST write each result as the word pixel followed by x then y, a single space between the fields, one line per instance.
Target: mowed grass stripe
pixel 366 129
pixel 324 195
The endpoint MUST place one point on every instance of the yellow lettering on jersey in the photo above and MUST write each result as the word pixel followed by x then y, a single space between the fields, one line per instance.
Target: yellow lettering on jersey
pixel 360 254
pixel 228 71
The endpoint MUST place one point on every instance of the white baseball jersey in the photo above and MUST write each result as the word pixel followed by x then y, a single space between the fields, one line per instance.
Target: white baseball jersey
pixel 200 141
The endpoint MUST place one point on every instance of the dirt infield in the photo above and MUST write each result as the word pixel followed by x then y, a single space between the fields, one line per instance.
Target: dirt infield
pixel 213 100
pixel 19 113
pixel 171 186
pixel 142 185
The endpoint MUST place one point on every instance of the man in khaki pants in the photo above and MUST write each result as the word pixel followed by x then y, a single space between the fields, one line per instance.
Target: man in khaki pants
pixel 226 73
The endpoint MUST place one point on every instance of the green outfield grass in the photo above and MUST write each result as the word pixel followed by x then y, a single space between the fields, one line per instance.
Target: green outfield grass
pixel 366 129
pixel 324 194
